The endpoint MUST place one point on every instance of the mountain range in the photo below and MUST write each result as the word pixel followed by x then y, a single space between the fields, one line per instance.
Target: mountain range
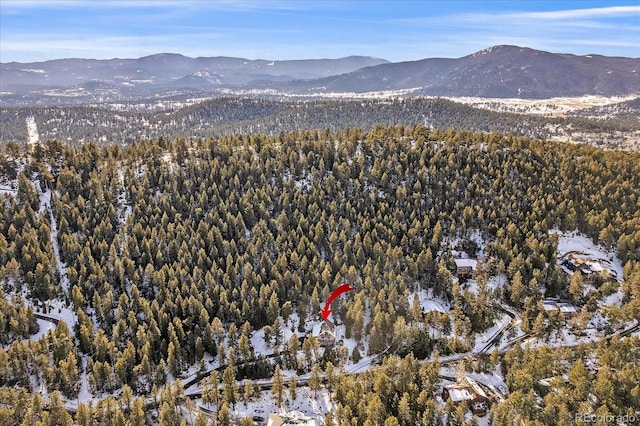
pixel 496 72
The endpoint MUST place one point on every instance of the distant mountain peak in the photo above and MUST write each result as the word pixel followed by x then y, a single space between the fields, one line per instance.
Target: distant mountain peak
pixel 504 49
pixel 164 55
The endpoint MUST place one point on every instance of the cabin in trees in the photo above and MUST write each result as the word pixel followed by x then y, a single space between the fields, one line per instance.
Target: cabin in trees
pixel 565 309
pixel 327 335
pixel 592 272
pixel 466 268
pixel 469 391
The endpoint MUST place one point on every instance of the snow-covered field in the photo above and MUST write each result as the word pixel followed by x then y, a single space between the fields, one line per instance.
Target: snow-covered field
pixel 552 106
pixel 428 303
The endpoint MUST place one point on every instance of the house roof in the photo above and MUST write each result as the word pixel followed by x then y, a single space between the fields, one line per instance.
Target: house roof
pixel 476 387
pixel 466 263
pixel 567 308
pixel 328 326
pixel 586 265
pixel 459 393
pixel 564 307
pixel 326 333
pixel 595 266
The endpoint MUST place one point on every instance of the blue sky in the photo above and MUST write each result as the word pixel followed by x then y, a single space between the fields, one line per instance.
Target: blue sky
pixel 36 30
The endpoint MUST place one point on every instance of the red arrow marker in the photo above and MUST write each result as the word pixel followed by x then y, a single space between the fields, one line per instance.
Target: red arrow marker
pixel 337 292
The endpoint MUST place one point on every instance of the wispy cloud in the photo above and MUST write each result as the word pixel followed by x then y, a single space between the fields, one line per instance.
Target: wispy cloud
pixel 600 12
pixel 502 17
pixel 223 5
pixel 559 31
pixel 395 30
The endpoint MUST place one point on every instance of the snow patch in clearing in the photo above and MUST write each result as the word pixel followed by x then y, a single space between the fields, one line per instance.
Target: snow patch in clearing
pixel 45 326
pixel 428 303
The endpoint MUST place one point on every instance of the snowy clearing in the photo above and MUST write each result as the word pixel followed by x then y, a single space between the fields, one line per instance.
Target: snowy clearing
pixel 428 303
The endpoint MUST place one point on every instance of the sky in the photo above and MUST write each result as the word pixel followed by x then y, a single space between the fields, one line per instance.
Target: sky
pixel 38 30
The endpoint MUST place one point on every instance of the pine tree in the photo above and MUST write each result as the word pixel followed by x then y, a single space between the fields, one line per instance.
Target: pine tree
pixel 201 419
pixel 211 393
pixel 315 380
pixel 172 360
pixel 329 374
pixel 137 416
pixel 277 389
pixel 229 386
pixel 579 380
pixel 58 414
pixel 224 415
pixel 328 420
pixel 576 287
pixel 292 387
pixel 83 415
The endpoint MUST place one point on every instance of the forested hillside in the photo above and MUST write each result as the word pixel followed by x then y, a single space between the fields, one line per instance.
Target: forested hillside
pixel 237 116
pixel 165 257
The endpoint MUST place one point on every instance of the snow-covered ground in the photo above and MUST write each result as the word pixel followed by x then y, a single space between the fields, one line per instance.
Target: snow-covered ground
pixel 306 403
pixel 363 365
pixel 614 299
pixel 32 131
pixel 473 235
pixel 563 338
pixel 554 106
pixel 62 268
pixel 45 326
pixel 428 303
pixel 58 309
pixel 260 346
pixel 493 283
pixel 304 184
pixel 84 395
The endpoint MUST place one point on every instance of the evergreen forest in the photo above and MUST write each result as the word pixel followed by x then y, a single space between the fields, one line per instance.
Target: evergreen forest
pixel 172 262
